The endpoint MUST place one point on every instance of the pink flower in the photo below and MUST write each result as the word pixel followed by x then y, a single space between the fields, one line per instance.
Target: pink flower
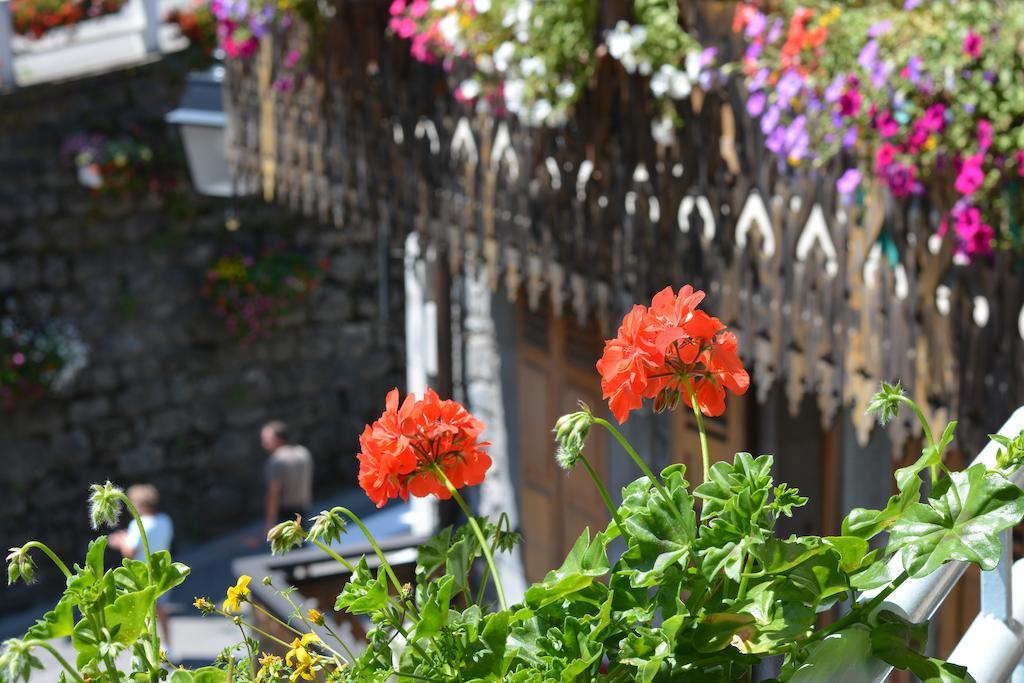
pixel 849 103
pixel 975 235
pixel 292 58
pixel 887 125
pixel 984 135
pixel 884 157
pixel 972 45
pixel 971 176
pixel 404 27
pixel 935 118
pixel 397 7
pixel 418 8
pixel 1020 162
pixel 18 359
pixel 918 136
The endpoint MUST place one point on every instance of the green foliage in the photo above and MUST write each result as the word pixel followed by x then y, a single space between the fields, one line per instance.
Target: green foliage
pixel 690 585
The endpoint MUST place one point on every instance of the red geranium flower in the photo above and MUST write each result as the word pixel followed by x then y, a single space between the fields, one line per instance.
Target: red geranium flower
pixel 403 451
pixel 661 349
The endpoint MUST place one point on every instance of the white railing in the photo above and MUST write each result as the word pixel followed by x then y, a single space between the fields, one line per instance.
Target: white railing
pixel 993 647
pixel 129 36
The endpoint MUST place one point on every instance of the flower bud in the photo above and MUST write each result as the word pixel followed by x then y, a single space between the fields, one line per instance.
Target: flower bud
pixel 20 566
pixel 886 403
pixel 267 581
pixel 570 434
pixel 286 536
pixel 315 616
pixel 328 527
pixel 203 605
pixel 105 505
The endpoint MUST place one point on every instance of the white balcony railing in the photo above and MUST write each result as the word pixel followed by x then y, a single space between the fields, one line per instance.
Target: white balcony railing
pixel 127 37
pixel 993 647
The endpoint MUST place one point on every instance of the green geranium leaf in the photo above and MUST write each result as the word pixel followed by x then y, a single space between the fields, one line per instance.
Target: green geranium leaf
pixel 434 612
pixel 866 523
pixel 647 649
pixel 898 642
pixel 207 674
pixel 715 631
pixel 843 656
pixel 853 552
pixel 57 623
pixel 875 575
pixel 961 522
pixel 586 561
pixel 738 490
pixel 363 593
pixel 433 554
pixel 659 535
pixel 930 457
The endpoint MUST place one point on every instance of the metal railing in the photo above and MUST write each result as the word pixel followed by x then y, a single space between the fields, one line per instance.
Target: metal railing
pixel 109 41
pixel 993 646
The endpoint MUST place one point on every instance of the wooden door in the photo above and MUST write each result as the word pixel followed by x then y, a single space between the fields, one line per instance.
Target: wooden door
pixel 556 360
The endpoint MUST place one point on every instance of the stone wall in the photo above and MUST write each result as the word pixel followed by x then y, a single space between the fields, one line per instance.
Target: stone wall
pixel 168 396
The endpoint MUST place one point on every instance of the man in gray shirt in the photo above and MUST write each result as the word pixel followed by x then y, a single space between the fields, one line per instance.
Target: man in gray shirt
pixel 289 476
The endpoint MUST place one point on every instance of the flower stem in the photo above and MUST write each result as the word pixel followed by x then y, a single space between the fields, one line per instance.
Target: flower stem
pixel 639 461
pixel 488 556
pixel 49 553
pixel 906 400
pixel 154 636
pixel 705 451
pixel 56 655
pixel 376 548
pixel 604 493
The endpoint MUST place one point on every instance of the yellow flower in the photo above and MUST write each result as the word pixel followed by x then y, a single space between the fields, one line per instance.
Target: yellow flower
pixel 203 605
pixel 237 594
pixel 315 616
pixel 303 666
pixel 299 658
pixel 269 667
pixel 930 143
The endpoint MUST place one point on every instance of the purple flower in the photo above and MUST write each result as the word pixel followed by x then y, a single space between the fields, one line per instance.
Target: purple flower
pixel 834 90
pixel 756 102
pixel 759 79
pixel 850 137
pixel 775 32
pixel 879 29
pixel 912 72
pixel 868 57
pixel 789 85
pixel 776 140
pixel 753 51
pixel 911 4
pixel 18 359
pixel 849 181
pixel 756 25
pixel 770 120
pixel 708 56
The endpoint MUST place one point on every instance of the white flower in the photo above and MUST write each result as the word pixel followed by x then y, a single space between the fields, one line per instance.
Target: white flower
pixel 503 56
pixel 619 43
pixel 482 6
pixel 541 111
pixel 566 89
pixel 449 28
pixel 639 34
pixel 693 65
pixel 485 63
pixel 645 68
pixel 443 5
pixel 660 80
pixel 514 93
pixel 663 131
pixel 469 89
pixel 629 62
pixel 533 66
pixel 679 86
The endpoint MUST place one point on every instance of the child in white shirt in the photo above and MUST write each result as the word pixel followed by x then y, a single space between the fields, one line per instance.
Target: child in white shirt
pixel 159 533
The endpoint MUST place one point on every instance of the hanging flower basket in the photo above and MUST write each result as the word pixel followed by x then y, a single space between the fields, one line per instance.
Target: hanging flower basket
pixel 37 361
pixel 34 18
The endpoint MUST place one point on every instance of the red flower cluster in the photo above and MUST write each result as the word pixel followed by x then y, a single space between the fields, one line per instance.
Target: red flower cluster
pixel 401 452
pixel 658 347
